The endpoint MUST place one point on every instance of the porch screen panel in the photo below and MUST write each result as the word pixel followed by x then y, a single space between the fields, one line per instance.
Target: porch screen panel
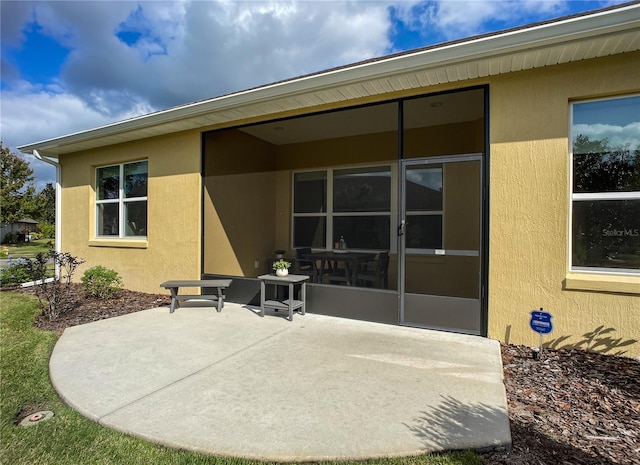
pixel 363 232
pixel 310 209
pixel 362 190
pixel 309 231
pixel 444 124
pixel 424 207
pixel 362 207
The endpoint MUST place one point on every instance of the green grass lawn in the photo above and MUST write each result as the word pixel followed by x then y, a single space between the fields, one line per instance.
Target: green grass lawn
pixel 69 438
pixel 24 250
pixel 29 249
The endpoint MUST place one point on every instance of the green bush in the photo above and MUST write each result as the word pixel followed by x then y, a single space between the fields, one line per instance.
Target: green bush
pixel 47 230
pixel 14 274
pixel 101 282
pixel 10 238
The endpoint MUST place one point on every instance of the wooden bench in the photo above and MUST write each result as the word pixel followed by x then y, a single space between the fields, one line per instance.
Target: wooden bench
pixel 174 286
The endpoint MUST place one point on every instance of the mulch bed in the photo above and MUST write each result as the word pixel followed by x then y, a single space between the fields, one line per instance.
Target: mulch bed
pixel 88 309
pixel 569 407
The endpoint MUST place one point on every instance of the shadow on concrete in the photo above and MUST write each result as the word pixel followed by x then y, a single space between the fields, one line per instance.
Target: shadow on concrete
pixel 461 425
pixel 599 340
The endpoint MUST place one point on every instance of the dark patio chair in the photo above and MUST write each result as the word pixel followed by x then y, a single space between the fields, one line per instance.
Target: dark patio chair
pixel 337 275
pixel 305 266
pixel 376 273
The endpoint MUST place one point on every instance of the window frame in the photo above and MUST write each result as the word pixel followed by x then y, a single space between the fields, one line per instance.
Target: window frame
pixel 592 196
pixel 121 201
pixel 330 214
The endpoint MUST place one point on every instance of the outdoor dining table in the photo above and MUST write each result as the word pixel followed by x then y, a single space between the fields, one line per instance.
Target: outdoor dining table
pixel 351 260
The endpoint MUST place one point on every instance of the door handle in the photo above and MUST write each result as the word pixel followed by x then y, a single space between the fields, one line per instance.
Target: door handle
pixel 401 228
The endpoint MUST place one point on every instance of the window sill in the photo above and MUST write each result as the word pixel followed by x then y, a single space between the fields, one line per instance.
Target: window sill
pixel 621 284
pixel 120 243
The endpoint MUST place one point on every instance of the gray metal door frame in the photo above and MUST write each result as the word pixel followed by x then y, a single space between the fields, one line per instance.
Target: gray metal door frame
pixel 444 303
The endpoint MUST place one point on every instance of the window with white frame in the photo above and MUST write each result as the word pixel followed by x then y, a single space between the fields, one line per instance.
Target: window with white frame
pixel 353 204
pixel 121 200
pixel 605 146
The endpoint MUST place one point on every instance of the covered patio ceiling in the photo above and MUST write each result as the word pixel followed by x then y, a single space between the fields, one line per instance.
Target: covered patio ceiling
pixel 452 107
pixel 602 33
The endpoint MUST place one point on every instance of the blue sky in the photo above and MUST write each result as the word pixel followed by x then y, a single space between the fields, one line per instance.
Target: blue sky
pixel 68 66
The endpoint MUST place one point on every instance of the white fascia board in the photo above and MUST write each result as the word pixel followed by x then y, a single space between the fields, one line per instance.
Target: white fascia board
pixel 550 34
pixel 553 34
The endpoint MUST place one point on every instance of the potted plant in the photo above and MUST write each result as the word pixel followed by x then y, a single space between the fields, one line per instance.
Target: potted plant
pixel 282 267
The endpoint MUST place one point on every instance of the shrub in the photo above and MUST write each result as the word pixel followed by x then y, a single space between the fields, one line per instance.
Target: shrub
pixel 15 273
pixel 53 294
pixel 47 230
pixel 10 238
pixel 101 282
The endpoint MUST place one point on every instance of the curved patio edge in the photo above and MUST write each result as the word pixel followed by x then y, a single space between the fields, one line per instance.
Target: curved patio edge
pixel 317 388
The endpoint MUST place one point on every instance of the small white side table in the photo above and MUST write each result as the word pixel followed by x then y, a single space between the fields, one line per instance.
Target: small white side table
pixel 290 303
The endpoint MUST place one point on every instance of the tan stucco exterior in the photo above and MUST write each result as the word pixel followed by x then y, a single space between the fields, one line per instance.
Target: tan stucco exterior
pixel 528 209
pixel 529 219
pixel 174 192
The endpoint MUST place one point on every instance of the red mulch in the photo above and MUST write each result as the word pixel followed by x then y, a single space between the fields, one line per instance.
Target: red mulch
pixel 569 407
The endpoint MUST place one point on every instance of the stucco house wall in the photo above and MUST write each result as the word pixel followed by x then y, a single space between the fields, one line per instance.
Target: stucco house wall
pixel 172 248
pixel 529 210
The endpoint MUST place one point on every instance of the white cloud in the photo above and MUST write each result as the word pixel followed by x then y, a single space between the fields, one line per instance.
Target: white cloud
pixel 468 17
pixel 453 19
pixel 190 50
pixel 212 48
pixel 186 51
pixel 618 136
pixel 41 114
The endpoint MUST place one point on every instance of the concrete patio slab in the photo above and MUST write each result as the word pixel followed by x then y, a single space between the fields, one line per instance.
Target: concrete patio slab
pixel 317 388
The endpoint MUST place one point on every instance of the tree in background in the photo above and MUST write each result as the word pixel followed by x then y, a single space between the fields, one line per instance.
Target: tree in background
pixel 14 185
pixel 19 198
pixel 39 206
pixel 47 203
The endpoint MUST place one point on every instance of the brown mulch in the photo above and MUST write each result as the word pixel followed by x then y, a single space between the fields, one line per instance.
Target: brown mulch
pixel 569 407
pixel 88 309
